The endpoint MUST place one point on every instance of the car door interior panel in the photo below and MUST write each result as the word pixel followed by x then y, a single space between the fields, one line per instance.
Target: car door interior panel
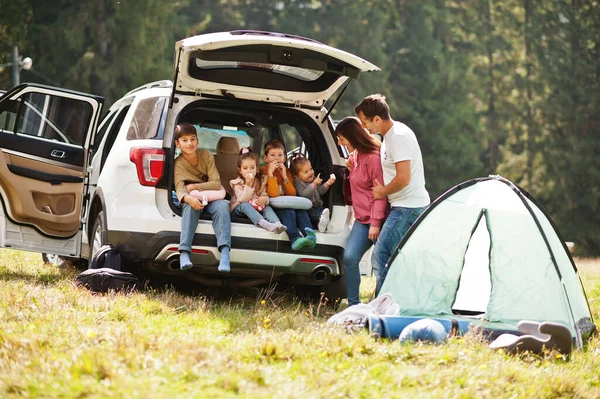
pixel 42 194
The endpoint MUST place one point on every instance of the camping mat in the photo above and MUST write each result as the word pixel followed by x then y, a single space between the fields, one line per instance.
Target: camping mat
pixel 391 326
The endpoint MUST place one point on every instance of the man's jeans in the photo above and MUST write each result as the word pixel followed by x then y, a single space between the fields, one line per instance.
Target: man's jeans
pixel 246 209
pixel 221 221
pixel 394 229
pixel 294 220
pixel 358 243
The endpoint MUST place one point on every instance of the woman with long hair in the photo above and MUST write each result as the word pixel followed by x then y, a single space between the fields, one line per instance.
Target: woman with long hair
pixel 365 166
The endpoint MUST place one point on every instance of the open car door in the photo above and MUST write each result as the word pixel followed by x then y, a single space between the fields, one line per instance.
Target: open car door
pixel 44 136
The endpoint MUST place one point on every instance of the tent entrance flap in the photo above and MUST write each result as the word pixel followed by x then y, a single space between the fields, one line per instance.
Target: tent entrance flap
pixel 474 287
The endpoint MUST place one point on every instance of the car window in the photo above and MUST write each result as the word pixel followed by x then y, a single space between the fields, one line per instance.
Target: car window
pixel 111 136
pixel 103 128
pixel 291 138
pixel 145 120
pixel 47 116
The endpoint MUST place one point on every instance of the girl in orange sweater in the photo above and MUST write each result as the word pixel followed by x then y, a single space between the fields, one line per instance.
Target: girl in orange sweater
pixel 280 182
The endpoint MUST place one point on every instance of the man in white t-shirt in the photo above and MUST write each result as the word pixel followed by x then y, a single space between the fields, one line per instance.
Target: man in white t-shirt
pixel 403 175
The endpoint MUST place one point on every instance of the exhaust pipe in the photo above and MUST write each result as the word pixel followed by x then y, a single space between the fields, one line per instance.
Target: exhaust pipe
pixel 173 263
pixel 321 273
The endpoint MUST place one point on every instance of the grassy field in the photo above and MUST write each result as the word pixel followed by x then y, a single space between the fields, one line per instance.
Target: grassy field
pixel 59 341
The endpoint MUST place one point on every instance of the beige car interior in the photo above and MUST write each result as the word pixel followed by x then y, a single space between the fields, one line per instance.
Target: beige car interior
pixel 226 157
pixel 55 209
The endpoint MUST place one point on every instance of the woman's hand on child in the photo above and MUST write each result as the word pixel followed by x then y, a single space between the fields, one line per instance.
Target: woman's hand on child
pixel 373 233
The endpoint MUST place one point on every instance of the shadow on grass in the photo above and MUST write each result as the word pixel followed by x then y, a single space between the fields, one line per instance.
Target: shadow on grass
pixel 224 294
pixel 52 276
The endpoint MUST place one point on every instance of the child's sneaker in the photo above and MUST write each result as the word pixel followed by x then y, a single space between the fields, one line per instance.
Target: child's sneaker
pixel 324 220
pixel 312 236
pixel 302 242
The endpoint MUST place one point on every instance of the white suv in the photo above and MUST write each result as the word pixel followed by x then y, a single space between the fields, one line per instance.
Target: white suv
pixel 67 188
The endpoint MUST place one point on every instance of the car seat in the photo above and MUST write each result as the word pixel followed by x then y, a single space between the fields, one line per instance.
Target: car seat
pixel 226 157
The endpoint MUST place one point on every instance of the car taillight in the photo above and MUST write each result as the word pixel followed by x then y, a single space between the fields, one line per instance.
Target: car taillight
pixel 149 163
pixel 347 191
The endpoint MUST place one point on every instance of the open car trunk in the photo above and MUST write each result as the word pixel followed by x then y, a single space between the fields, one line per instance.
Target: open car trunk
pixel 253 125
pixel 263 66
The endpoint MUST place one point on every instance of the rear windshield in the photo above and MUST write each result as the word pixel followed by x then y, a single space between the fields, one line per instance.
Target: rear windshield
pixel 269 67
pixel 303 74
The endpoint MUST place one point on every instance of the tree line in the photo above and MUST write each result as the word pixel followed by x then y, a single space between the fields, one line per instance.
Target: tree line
pixel 506 87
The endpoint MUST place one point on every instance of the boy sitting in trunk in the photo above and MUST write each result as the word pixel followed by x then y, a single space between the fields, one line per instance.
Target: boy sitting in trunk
pixel 195 170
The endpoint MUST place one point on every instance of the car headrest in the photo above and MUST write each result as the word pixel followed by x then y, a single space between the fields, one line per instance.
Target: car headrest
pixel 228 146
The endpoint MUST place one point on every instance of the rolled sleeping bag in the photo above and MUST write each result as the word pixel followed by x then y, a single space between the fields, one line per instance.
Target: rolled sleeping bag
pixel 391 327
pixel 290 202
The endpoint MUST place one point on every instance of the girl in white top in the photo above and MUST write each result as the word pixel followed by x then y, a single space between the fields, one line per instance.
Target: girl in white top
pixel 250 195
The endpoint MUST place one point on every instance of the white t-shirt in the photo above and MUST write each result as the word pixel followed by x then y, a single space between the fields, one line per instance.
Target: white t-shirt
pixel 400 144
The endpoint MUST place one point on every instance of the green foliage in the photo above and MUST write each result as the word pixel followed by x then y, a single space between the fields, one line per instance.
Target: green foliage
pixel 493 86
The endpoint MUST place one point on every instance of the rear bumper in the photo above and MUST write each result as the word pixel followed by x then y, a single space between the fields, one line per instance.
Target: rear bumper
pixel 249 256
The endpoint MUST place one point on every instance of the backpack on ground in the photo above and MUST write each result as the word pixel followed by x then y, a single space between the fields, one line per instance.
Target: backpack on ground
pixel 108 257
pixel 105 272
pixel 105 279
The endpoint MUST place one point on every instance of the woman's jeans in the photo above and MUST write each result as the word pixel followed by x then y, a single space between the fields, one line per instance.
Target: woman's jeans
pixel 393 231
pixel 293 219
pixel 246 209
pixel 358 243
pixel 221 222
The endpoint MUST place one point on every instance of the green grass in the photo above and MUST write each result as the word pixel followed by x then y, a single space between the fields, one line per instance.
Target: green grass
pixel 60 341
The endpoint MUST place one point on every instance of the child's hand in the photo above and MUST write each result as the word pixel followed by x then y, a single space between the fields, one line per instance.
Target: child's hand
pixel 331 180
pixel 260 201
pixel 193 202
pixel 272 166
pixel 282 168
pixel 249 179
pixel 317 180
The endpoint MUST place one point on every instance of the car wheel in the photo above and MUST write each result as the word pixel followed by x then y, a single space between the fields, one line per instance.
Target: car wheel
pixel 98 237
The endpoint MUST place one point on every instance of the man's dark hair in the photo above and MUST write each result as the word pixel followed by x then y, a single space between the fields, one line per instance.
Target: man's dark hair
pixel 372 106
